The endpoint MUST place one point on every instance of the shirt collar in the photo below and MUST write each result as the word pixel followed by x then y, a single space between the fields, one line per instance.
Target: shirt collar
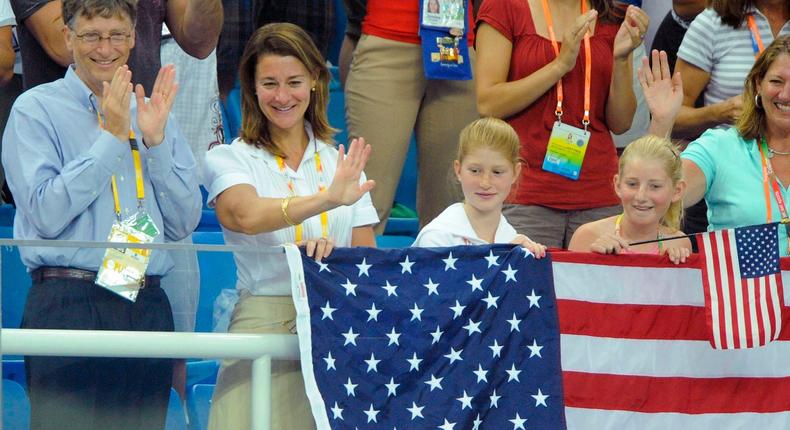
pixel 85 97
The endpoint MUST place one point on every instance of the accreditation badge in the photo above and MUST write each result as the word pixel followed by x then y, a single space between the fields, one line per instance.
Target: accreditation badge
pixel 123 269
pixel 445 51
pixel 566 149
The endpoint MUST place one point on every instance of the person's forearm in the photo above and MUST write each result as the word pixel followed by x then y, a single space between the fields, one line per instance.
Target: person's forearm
pixel 201 26
pixel 691 122
pixel 621 105
pixel 509 98
pixel 7 56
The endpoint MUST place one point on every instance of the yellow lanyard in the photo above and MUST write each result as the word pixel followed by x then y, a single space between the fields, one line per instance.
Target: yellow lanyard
pixel 321 187
pixel 138 173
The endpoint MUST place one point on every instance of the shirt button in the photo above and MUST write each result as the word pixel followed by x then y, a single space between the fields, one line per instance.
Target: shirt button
pixel 121 178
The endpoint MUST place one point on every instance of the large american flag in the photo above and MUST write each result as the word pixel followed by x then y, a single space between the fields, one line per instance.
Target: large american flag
pixel 743 285
pixel 635 351
pixel 443 338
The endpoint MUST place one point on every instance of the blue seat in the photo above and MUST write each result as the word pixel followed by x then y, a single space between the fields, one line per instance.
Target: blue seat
pixel 208 221
pixel 217 272
pixel 392 241
pixel 176 416
pixel 14 369
pixel 16 407
pixel 198 405
pixel 16 282
pixel 336 111
pixel 232 108
pixel 201 372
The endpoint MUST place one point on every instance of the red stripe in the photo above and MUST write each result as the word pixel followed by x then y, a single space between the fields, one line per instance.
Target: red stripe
pixel 647 322
pixel 706 288
pixel 717 271
pixel 680 395
pixel 625 260
pixel 747 313
pixel 771 313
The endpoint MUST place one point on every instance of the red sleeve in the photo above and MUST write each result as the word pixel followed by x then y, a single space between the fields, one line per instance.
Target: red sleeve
pixel 500 15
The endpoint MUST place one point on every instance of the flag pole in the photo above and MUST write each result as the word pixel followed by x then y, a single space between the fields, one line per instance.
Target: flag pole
pixel 643 242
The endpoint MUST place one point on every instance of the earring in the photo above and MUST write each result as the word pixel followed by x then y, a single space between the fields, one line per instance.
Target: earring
pixel 312 89
pixel 758 102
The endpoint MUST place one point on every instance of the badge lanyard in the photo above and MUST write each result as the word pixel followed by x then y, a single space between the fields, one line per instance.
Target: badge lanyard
pixel 757 40
pixel 321 187
pixel 138 174
pixel 587 65
pixel 769 176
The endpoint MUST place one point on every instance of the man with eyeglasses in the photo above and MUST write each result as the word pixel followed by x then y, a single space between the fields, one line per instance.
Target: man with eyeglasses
pixel 195 25
pixel 89 157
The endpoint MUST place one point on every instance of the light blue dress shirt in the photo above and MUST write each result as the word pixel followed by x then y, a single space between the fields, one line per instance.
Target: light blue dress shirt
pixel 59 163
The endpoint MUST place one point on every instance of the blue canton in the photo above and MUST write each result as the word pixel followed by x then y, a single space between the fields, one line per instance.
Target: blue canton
pixel 758 250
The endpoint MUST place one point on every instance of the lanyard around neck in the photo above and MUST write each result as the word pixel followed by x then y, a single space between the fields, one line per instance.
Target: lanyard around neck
pixel 321 187
pixel 138 173
pixel 769 176
pixel 587 64
pixel 757 40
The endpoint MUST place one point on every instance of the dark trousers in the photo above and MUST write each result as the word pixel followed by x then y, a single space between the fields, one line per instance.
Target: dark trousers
pixel 84 393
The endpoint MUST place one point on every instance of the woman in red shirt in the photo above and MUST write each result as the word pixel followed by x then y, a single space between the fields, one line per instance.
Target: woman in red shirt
pixel 518 72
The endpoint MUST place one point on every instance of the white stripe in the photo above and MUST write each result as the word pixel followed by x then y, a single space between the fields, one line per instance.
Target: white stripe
pixel 671 358
pixel 714 295
pixel 753 310
pixel 737 285
pixel 777 309
pixel 725 288
pixel 627 285
pixel 584 419
pixel 764 310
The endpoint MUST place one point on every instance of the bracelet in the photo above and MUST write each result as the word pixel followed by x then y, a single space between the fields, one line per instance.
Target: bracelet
pixel 284 209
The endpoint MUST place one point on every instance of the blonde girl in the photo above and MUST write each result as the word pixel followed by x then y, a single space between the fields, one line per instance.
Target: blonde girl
pixel 487 166
pixel 649 184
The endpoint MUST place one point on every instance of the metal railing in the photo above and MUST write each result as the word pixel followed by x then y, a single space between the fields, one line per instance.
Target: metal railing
pixel 260 348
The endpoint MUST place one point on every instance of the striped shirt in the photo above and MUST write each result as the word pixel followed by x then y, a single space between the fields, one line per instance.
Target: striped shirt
pixel 726 54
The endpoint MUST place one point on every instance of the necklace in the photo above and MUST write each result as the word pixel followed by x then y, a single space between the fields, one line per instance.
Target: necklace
pixel 775 152
pixel 659 236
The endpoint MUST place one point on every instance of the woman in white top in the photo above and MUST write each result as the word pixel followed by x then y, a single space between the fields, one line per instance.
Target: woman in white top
pixel 487 166
pixel 282 182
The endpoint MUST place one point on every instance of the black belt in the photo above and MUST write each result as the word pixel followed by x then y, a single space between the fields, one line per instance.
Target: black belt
pixel 43 273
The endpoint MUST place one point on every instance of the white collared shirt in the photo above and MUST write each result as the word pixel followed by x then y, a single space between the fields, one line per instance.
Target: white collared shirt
pixel 242 163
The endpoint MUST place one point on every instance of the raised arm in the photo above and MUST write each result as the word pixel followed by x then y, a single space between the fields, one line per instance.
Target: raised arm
pixel 7 55
pixel 498 97
pixel 696 184
pixel 621 104
pixel 195 24
pixel 663 93
pixel 46 25
pixel 239 208
pixel 692 121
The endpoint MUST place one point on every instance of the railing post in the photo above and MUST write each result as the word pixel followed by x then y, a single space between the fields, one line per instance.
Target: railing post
pixel 262 393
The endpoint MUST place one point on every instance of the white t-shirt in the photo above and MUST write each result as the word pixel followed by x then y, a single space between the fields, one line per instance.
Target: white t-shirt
pixel 452 228
pixel 241 163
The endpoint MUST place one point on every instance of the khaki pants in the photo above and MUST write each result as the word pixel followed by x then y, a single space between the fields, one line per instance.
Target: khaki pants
pixel 231 407
pixel 388 97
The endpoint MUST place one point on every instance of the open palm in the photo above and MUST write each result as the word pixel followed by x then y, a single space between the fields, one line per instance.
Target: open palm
pixel 152 114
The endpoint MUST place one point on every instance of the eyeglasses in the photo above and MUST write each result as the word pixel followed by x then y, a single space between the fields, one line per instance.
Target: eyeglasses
pixel 94 38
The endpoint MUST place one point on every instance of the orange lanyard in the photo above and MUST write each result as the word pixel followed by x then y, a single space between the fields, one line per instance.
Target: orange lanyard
pixel 757 40
pixel 587 64
pixel 321 187
pixel 769 176
pixel 138 173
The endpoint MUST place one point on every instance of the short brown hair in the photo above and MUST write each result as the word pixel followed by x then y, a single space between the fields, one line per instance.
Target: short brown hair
pixel 104 8
pixel 751 123
pixel 282 39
